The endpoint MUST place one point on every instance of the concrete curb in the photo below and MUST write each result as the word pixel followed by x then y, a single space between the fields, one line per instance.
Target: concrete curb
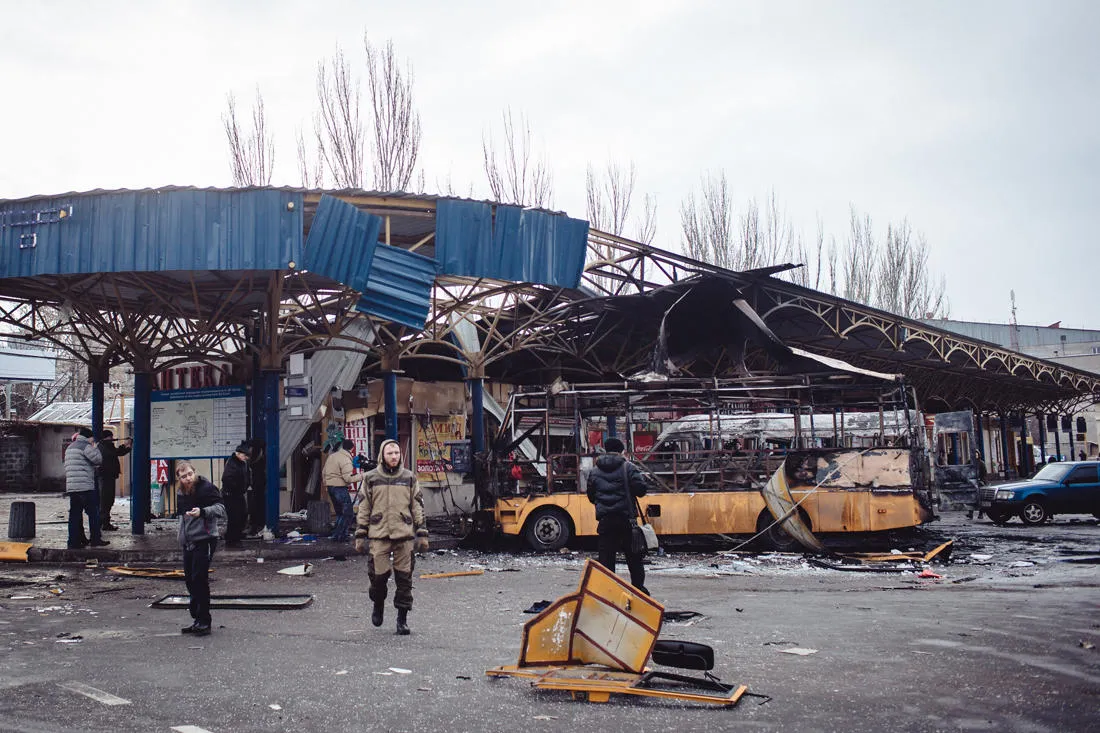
pixel 268 551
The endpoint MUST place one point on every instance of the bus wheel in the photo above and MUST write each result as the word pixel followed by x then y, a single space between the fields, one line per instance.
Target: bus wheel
pixel 548 529
pixel 776 537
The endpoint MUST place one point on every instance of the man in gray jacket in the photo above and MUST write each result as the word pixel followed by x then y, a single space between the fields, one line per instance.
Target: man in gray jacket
pixel 81 461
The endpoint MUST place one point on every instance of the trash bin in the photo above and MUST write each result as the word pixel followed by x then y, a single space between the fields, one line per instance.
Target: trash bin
pixel 21 520
pixel 318 517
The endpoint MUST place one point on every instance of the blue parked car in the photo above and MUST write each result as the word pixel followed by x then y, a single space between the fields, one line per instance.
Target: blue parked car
pixel 1056 488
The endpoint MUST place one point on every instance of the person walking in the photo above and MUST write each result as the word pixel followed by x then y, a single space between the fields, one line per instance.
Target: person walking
pixel 391 518
pixel 109 471
pixel 613 485
pixel 339 473
pixel 200 508
pixel 82 458
pixel 236 479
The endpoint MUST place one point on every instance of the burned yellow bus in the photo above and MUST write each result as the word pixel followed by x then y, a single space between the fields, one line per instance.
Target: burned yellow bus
pixel 844 467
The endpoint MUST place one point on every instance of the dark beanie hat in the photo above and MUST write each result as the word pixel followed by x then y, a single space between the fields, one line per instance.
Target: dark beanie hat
pixel 244 447
pixel 613 445
pixel 86 433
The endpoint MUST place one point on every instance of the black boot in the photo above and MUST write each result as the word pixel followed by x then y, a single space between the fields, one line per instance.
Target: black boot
pixel 376 614
pixel 402 625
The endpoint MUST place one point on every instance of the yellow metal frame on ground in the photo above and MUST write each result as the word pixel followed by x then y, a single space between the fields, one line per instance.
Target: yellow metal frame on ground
pixel 598 684
pixel 15 551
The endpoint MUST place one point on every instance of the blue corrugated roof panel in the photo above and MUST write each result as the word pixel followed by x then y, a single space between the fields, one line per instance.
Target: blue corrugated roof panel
pixel 400 287
pixel 144 231
pixel 523 245
pixel 341 243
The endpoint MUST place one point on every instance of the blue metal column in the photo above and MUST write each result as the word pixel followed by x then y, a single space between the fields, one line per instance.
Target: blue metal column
pixel 139 473
pixel 1004 445
pixel 477 426
pixel 270 382
pixel 97 408
pixel 390 392
pixel 612 428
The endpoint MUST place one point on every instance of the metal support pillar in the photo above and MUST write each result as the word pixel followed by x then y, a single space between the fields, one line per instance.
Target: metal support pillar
pixel 270 382
pixel 139 475
pixel 612 428
pixel 1072 454
pixel 1004 444
pixel 390 391
pixel 477 421
pixel 97 409
pixel 980 434
pixel 1057 437
pixel 1042 436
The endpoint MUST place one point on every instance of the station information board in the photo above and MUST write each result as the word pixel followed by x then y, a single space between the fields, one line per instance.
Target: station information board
pixel 198 423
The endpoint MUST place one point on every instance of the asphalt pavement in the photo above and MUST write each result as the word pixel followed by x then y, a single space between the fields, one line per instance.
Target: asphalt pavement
pixel 1004 640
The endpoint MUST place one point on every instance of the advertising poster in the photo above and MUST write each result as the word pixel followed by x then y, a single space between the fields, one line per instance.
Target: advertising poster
pixel 433 455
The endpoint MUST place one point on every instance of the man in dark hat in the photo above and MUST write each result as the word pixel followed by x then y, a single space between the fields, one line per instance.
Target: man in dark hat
pixel 82 458
pixel 613 484
pixel 109 471
pixel 236 478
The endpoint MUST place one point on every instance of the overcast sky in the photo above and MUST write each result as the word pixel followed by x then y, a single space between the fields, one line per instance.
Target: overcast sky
pixel 978 121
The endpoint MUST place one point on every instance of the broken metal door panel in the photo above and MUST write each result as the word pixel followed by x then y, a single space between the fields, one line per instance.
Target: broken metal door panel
pixel 955 471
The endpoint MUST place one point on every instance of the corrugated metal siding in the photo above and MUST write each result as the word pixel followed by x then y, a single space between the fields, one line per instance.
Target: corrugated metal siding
pixel 341 242
pixel 1026 336
pixel 400 286
pixel 144 231
pixel 522 245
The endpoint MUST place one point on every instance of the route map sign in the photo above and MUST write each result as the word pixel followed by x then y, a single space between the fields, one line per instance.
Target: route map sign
pixel 198 423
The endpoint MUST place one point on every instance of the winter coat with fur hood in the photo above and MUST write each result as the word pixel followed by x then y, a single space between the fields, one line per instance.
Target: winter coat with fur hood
pixel 391 505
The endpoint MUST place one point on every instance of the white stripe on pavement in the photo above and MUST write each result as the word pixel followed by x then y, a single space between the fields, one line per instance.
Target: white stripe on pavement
pixel 98 695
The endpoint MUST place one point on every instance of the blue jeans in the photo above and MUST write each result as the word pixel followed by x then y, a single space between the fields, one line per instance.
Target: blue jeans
pixel 81 503
pixel 341 503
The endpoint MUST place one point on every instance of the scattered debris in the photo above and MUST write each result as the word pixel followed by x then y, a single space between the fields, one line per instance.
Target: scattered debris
pixel 457 574
pixel 799 651
pixel 275 706
pixel 462 677
pixel 675 616
pixel 1086 644
pixel 175 573
pixel 400 670
pixel 342 671
pixel 1021 564
pixel 57 591
pixel 304 569
pixel 926 573
pixel 777 643
pixel 537 607
pixel 544 717
pixel 980 558
pixel 14 551
pixel 240 603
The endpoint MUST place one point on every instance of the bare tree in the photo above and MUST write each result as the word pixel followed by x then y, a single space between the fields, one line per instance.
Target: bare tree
pixel 859 262
pixel 310 170
pixel 647 222
pixel 251 152
pixel 518 177
pixel 609 197
pixel 339 131
pixel 707 224
pixel 396 142
pixel 905 286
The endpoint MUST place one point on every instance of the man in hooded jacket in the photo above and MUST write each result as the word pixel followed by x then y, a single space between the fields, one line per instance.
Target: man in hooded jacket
pixel 391 517
pixel 613 485
pixel 82 459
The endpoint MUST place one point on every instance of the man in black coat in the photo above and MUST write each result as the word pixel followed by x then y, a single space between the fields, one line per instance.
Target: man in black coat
pixel 236 479
pixel 109 471
pixel 613 485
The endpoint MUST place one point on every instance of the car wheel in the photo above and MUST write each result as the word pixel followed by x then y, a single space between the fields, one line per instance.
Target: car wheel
pixel 776 537
pixel 1034 512
pixel 548 529
pixel 999 518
